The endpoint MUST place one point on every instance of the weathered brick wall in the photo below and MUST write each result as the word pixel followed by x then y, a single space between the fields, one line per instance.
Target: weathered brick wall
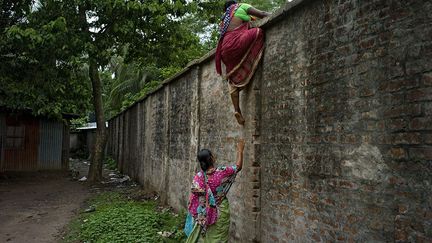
pixel 181 148
pixel 156 141
pixel 339 134
pixel 346 122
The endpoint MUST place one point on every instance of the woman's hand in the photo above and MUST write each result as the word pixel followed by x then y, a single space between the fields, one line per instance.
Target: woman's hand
pixel 258 13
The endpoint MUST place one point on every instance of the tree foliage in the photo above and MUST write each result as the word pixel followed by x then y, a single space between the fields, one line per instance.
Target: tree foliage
pixel 44 47
pixel 36 72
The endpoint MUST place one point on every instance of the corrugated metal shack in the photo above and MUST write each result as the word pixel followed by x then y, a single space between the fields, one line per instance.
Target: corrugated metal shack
pixel 30 143
pixel 83 138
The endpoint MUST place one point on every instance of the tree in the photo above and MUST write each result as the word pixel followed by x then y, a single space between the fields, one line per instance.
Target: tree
pixel 123 83
pixel 101 28
pixel 35 74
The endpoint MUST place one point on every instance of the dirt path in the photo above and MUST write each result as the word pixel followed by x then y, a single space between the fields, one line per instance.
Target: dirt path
pixel 35 207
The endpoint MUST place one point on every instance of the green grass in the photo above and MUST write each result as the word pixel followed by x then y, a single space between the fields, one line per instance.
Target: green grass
pixel 117 219
pixel 110 163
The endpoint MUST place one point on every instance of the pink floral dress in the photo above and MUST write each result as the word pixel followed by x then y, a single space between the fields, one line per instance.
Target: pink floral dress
pixel 208 191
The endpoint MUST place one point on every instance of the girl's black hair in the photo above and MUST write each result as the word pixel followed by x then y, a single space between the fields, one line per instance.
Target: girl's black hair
pixel 205 158
pixel 229 3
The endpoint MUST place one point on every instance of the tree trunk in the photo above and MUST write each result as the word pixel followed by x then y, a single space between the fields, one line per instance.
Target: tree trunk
pixel 98 152
pixel 66 146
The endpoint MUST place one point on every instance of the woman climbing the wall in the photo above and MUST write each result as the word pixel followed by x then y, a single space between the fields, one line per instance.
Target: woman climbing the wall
pixel 240 48
pixel 209 216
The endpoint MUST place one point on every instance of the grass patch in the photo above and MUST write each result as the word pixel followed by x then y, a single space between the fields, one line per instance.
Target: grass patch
pixel 110 163
pixel 117 219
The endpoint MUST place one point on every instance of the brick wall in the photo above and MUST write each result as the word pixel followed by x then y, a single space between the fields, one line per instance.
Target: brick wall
pixel 339 134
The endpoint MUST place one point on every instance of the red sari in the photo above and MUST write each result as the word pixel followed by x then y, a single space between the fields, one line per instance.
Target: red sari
pixel 240 50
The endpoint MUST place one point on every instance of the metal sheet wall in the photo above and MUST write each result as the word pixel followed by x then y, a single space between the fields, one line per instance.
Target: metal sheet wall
pixel 21 158
pixel 50 145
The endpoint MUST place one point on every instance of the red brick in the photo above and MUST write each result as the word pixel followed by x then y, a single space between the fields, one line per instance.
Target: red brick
pixel 314 198
pixel 352 219
pixel 428 215
pixel 393 86
pixel 380 51
pixel 376 224
pixel 346 184
pixel 406 138
pixel 403 110
pixel 366 92
pixel 349 229
pixel 397 124
pixel 393 180
pixel 369 115
pixel 274 238
pixel 314 139
pixel 298 212
pixel 285 173
pixel 374 125
pixel 401 235
pixel 295 195
pixel 316 237
pixel 422 239
pixel 421 123
pixel 398 153
pixel 344 50
pixel 329 201
pixel 366 138
pixel 393 99
pixel 330 222
pixel 421 153
pixel 398 14
pixel 403 209
pixel 427 138
pixel 420 94
pixel 370 125
pixel 385 36
pixel 383 139
pixel 330 139
pixel 381 125
pixel 366 44
pixel 350 139
pixel 427 79
pixel 428 108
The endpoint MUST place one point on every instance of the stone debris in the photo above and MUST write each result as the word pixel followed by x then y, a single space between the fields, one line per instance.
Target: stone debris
pixel 165 234
pixel 115 178
pixel 90 209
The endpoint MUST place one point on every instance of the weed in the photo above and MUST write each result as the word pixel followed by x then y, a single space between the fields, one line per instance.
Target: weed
pixel 111 164
pixel 117 219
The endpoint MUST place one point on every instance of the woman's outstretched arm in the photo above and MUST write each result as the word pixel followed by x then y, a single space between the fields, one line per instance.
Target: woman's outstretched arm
pixel 240 149
pixel 257 13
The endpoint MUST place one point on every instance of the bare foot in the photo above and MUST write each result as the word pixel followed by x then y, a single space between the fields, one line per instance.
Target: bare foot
pixel 239 118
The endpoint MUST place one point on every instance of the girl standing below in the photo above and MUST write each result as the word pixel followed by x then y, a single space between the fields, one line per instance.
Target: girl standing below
pixel 209 215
